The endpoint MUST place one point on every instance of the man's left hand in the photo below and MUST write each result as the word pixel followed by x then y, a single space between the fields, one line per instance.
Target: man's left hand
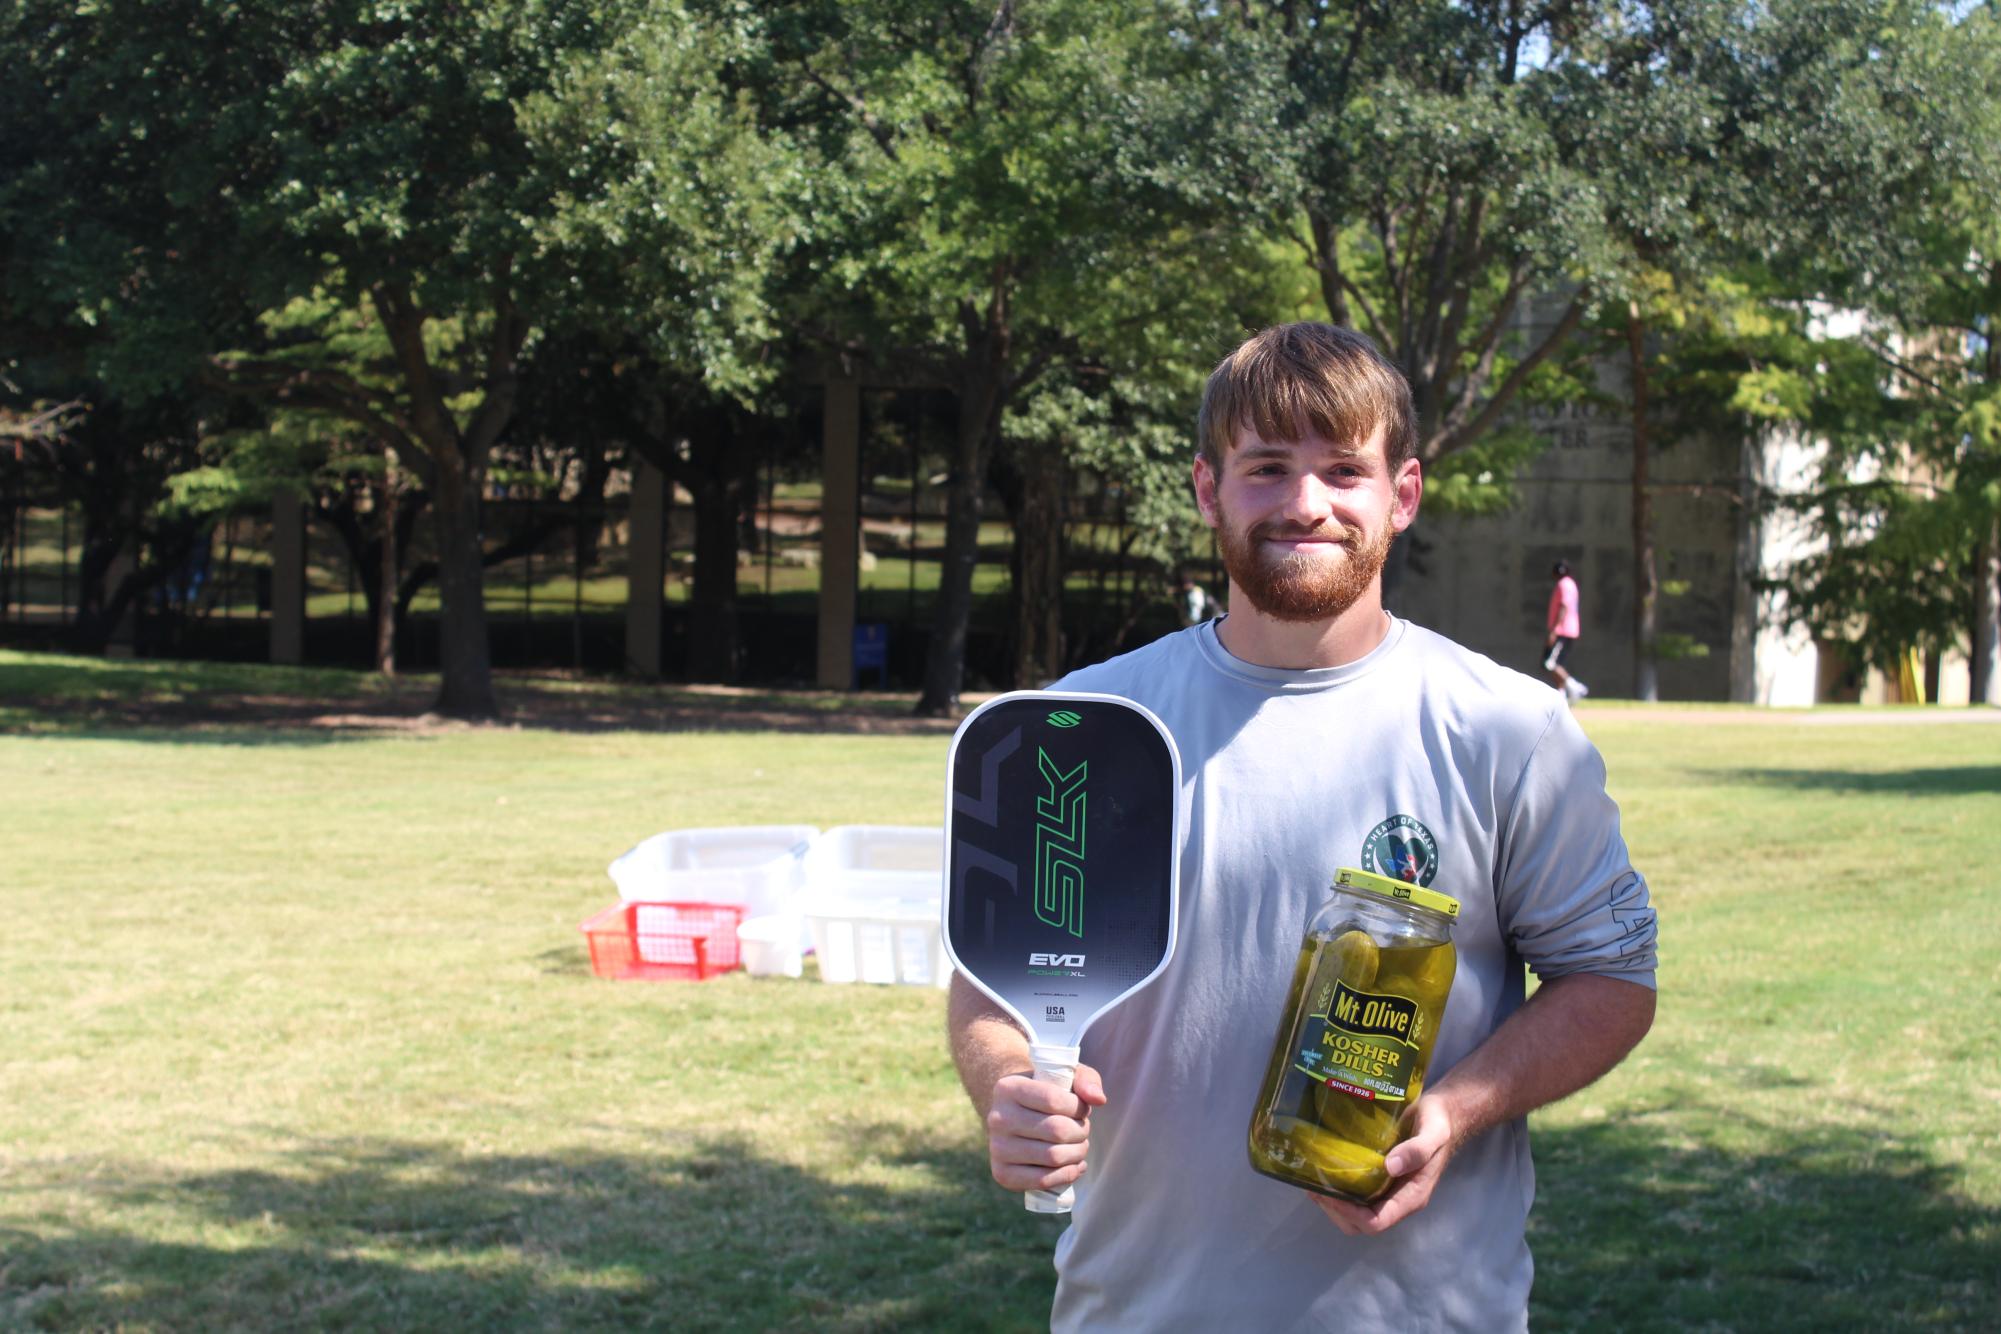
pixel 1414 1166
pixel 1574 1029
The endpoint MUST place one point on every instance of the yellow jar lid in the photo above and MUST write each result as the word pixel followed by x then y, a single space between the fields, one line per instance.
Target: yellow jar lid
pixel 1348 877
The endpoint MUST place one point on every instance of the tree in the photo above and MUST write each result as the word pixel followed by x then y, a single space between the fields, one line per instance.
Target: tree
pixel 1437 190
pixel 1462 165
pixel 1474 180
pixel 1840 100
pixel 1127 429
pixel 681 315
pixel 1122 411
pixel 1881 118
pixel 116 462
pixel 1005 184
pixel 1942 357
pixel 429 160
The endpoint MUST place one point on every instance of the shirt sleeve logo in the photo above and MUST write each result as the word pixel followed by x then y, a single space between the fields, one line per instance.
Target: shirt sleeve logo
pixel 1403 849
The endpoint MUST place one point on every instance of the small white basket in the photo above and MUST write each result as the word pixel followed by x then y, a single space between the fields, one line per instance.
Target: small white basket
pixel 881 941
pixel 871 900
pixel 772 946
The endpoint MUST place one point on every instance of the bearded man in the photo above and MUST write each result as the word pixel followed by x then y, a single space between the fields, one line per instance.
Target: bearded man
pixel 1319 731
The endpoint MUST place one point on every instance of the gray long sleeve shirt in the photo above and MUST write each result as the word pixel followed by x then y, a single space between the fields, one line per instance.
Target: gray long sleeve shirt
pixel 1421 760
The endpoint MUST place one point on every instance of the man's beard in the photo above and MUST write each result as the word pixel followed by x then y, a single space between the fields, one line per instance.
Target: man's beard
pixel 1302 586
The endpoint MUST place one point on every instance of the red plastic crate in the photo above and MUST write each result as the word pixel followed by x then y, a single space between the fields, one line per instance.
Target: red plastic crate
pixel 664 942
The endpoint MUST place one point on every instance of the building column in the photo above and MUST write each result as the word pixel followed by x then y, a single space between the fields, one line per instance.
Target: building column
pixel 288 578
pixel 840 532
pixel 645 570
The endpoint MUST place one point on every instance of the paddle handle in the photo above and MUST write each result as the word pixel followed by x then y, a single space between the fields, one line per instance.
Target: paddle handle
pixel 1054 1064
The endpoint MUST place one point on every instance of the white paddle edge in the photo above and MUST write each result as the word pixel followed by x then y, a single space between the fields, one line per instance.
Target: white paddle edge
pixel 1055 1063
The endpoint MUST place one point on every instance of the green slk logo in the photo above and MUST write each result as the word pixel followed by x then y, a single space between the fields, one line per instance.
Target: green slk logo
pixel 1059 845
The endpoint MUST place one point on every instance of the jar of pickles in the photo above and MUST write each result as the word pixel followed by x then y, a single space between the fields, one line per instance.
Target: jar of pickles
pixel 1367 998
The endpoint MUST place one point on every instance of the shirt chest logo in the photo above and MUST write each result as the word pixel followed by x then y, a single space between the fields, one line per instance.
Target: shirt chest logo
pixel 1403 849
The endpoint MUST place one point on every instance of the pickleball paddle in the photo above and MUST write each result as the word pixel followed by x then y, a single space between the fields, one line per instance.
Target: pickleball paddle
pixel 1062 846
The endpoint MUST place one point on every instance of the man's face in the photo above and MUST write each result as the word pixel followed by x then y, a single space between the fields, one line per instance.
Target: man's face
pixel 1305 527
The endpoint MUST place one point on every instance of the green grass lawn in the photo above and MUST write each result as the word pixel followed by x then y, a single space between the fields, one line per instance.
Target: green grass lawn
pixel 296 1030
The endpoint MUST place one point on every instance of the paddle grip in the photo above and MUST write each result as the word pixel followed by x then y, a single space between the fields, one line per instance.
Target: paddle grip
pixel 1054 1064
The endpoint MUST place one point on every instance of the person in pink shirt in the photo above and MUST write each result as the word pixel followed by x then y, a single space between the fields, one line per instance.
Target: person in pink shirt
pixel 1563 634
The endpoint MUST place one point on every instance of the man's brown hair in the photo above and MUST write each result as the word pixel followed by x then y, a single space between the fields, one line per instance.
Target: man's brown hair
pixel 1293 380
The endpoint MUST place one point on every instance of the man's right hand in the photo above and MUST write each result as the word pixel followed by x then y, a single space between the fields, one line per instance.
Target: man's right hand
pixel 1037 1133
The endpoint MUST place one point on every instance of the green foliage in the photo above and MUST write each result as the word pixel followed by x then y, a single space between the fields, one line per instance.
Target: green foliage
pixel 1064 160
pixel 295 449
pixel 1126 411
pixel 551 157
pixel 1480 478
pixel 721 197
pixel 1674 646
pixel 1907 406
pixel 680 206
pixel 1447 161
pixel 1130 434
pixel 1895 574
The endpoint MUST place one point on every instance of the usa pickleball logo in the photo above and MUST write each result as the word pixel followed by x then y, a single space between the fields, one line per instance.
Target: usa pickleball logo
pixel 1402 849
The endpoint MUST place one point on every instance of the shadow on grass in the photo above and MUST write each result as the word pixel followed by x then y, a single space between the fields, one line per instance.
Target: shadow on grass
pixel 233 704
pixel 381 1234
pixel 269 735
pixel 1951 781
pixel 571 960
pixel 1636 1227
pixel 1836 1229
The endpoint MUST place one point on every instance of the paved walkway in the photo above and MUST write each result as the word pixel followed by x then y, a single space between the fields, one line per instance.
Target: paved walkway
pixel 1825 716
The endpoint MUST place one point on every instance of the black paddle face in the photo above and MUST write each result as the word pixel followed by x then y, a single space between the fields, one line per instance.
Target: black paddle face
pixel 1060 846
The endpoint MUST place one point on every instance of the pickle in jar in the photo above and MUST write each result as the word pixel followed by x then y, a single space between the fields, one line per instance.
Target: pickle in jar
pixel 1367 999
pixel 1422 975
pixel 1301 1150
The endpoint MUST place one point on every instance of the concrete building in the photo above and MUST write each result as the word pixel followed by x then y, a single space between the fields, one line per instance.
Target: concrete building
pixel 1485 581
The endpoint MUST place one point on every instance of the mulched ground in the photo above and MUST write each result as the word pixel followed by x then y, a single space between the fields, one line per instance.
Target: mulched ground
pixel 526 702
pixel 554 702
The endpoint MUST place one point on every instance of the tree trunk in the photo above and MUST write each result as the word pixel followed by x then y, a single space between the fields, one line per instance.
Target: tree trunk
pixel 113 580
pixel 451 460
pixel 1036 565
pixel 719 471
pixel 385 581
pixel 1987 617
pixel 465 688
pixel 97 621
pixel 979 416
pixel 1646 584
pixel 712 631
pixel 595 473
pixel 97 605
pixel 410 509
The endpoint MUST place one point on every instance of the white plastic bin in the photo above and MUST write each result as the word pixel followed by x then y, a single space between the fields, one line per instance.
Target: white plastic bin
pixel 877 861
pixel 761 867
pixel 871 901
pixel 883 941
